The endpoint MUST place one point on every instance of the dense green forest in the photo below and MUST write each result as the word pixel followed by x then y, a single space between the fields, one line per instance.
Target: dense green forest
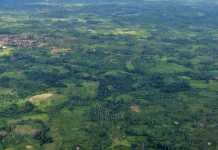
pixel 108 75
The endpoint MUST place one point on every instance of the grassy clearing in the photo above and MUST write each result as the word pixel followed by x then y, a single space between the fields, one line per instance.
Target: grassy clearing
pixel 13 75
pixel 211 85
pixel 168 68
pixel 41 97
pixel 5 52
pixel 41 117
pixel 130 66
pixel 46 100
pixel 25 130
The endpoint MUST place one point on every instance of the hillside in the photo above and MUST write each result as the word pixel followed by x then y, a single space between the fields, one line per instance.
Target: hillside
pixel 108 75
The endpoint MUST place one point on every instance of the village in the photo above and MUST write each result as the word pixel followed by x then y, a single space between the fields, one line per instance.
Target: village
pixel 21 41
pixel 28 41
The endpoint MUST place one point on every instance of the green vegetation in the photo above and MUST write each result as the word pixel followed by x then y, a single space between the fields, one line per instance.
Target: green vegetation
pixel 108 75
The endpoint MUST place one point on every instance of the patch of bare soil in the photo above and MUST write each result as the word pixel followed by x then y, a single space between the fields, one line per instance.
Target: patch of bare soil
pixel 29 147
pixel 135 108
pixel 55 50
pixel 41 97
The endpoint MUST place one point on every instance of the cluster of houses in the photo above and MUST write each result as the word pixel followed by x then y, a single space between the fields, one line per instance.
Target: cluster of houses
pixel 16 40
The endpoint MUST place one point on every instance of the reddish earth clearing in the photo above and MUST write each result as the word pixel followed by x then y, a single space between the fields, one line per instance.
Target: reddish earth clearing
pixel 56 50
